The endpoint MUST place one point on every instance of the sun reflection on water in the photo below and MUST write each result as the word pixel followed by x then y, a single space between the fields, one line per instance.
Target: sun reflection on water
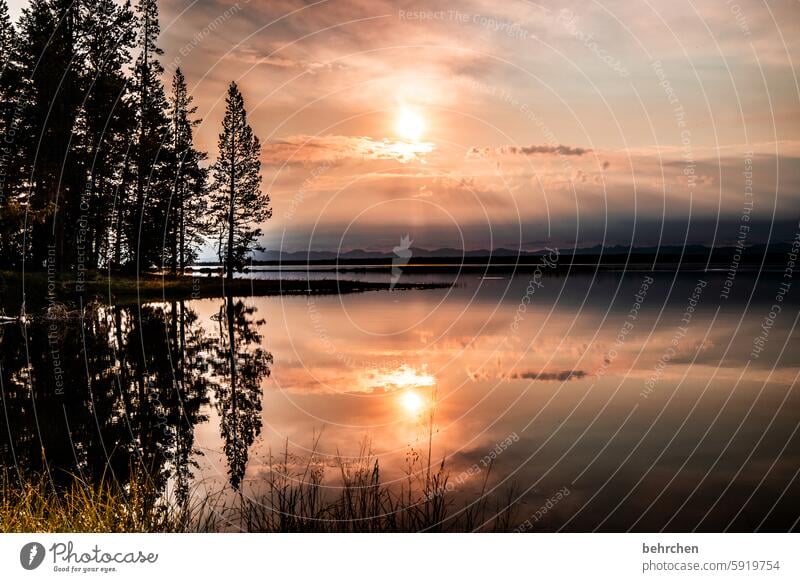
pixel 406 377
pixel 414 385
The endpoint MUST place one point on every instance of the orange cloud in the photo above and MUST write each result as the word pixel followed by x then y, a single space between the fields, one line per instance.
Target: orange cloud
pixel 304 149
pixel 529 150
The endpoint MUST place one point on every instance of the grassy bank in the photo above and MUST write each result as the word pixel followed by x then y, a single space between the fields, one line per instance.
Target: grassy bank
pixel 284 501
pixel 34 505
pixel 120 288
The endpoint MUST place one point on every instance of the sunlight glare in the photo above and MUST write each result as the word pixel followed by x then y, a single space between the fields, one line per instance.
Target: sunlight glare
pixel 410 124
pixel 412 402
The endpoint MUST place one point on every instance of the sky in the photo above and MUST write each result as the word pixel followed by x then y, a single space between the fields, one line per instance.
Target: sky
pixel 477 124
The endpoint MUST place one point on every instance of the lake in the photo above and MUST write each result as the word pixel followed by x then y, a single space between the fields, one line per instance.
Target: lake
pixel 591 401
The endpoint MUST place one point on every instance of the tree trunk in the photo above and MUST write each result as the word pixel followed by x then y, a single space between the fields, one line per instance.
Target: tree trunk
pixel 175 212
pixel 140 157
pixel 181 234
pixel 229 266
pixel 232 345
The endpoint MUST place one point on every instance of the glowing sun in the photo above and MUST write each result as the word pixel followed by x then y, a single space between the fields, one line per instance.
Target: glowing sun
pixel 412 402
pixel 409 124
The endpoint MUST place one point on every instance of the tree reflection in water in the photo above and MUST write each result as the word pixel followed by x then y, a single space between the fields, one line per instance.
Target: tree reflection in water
pixel 115 393
pixel 238 366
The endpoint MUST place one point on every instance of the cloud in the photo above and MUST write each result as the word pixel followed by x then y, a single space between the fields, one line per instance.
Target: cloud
pixel 526 104
pixel 529 150
pixel 561 376
pixel 252 56
pixel 305 149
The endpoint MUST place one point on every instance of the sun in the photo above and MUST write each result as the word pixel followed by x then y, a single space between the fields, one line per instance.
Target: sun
pixel 412 402
pixel 409 124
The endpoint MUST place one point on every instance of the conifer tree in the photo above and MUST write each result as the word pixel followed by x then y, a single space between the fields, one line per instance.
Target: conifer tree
pixel 187 222
pixel 110 35
pixel 10 84
pixel 238 203
pixel 51 98
pixel 11 210
pixel 96 166
pixel 150 157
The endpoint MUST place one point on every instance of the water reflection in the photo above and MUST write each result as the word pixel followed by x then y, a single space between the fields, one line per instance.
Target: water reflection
pixel 112 392
pixel 669 424
pixel 238 364
pixel 664 425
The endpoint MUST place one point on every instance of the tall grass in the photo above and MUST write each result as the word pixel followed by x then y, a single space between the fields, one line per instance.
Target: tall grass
pixel 34 504
pixel 360 502
pixel 290 498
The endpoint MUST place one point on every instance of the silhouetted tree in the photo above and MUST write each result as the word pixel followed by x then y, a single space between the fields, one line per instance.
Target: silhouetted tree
pixel 238 202
pixel 10 85
pixel 9 82
pixel 11 191
pixel 150 156
pixel 97 168
pixel 51 100
pixel 110 34
pixel 187 211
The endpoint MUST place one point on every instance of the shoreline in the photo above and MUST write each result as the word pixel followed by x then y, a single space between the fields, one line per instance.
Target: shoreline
pixel 119 288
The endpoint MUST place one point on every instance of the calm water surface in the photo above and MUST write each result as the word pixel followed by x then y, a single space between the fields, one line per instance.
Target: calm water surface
pixel 647 401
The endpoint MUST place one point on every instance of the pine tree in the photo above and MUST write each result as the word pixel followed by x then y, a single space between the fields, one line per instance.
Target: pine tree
pixel 238 202
pixel 109 38
pixel 96 168
pixel 10 84
pixel 187 223
pixel 150 157
pixel 8 48
pixel 11 210
pixel 52 94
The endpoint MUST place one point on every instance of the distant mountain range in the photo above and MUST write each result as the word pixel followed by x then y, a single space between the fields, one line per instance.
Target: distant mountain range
pixel 443 253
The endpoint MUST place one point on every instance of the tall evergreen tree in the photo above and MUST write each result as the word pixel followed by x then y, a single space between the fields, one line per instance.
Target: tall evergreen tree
pixel 150 156
pixel 52 93
pixel 9 67
pixel 96 167
pixel 9 100
pixel 11 209
pixel 110 34
pixel 186 220
pixel 238 202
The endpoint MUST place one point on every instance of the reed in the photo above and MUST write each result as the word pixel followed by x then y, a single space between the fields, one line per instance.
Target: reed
pixel 35 504
pixel 292 497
